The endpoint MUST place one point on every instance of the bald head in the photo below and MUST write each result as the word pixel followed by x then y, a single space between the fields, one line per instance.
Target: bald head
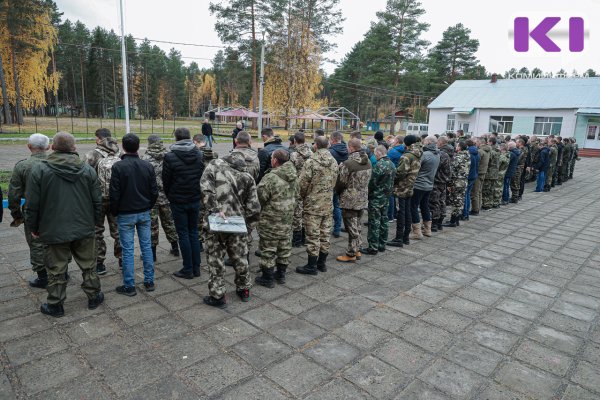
pixel 321 142
pixel 380 151
pixel 354 144
pixel 63 142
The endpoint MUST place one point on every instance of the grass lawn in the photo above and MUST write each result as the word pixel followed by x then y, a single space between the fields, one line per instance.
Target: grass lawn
pixel 4 180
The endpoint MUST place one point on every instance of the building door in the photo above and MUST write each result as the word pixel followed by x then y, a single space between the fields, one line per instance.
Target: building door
pixel 592 138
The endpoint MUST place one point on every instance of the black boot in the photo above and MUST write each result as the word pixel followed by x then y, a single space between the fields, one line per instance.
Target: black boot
pixel 434 225
pixel 310 268
pixel 175 249
pixel 297 239
pixel 41 281
pixel 154 253
pixel 321 266
pixel 266 279
pixel 54 310
pixel 453 222
pixel 439 224
pixel 280 273
pixel 396 242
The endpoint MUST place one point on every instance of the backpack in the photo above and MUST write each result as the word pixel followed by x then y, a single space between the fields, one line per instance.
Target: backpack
pixel 105 171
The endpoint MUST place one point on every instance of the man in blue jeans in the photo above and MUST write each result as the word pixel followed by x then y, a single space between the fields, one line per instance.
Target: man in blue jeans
pixel 339 151
pixel 182 170
pixel 133 193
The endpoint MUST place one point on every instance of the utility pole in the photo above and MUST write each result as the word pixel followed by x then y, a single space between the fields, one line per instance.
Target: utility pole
pixel 124 70
pixel 262 86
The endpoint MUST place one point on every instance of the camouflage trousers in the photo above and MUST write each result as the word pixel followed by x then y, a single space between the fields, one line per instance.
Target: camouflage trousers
pixel 456 199
pixel 487 193
pixel 297 223
pixel 378 225
pixel 38 252
pixel 275 251
pixel 318 233
pixel 572 167
pixel 83 251
pixel 498 188
pixel 166 220
pixel 114 233
pixel 549 176
pixel 353 223
pixel 515 183
pixel 564 172
pixel 236 247
pixel 437 201
pixel 476 193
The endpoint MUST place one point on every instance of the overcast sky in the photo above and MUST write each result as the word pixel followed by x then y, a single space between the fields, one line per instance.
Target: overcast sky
pixel 490 22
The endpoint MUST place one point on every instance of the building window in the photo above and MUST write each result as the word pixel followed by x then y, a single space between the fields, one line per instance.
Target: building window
pixel 464 126
pixel 450 123
pixel 501 124
pixel 547 125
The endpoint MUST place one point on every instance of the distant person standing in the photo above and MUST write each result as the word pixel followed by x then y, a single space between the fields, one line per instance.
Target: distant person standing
pixel 207 131
pixel 64 204
pixel 182 169
pixel 102 159
pixel 133 194
pixel 38 144
pixel 239 126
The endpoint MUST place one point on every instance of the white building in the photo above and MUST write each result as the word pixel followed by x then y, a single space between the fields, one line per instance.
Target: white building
pixel 568 107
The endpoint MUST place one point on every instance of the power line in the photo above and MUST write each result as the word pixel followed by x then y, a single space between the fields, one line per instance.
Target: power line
pixel 182 44
pixel 381 88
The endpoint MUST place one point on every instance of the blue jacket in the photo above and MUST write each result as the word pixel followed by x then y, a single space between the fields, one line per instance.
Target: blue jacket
pixel 373 160
pixel 339 151
pixel 395 153
pixel 474 168
pixel 512 164
pixel 544 160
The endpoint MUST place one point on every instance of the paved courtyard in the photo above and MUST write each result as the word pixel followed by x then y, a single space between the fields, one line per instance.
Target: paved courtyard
pixel 505 307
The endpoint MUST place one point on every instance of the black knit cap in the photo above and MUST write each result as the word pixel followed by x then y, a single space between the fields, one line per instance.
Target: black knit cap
pixel 409 140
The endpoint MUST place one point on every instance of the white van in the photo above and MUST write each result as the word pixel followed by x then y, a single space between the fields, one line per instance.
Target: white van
pixel 417 129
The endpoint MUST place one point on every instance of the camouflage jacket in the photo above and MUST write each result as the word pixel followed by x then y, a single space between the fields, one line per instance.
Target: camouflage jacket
pixel 317 181
pixel 277 193
pixel 567 152
pixel 155 155
pixel 353 181
pixel 461 164
pixel 444 171
pixel 18 184
pixel 523 157
pixel 553 156
pixel 251 159
pixel 301 153
pixel 381 184
pixel 108 146
pixel 534 147
pixel 406 173
pixel 484 158
pixel 503 162
pixel 227 187
pixel 494 164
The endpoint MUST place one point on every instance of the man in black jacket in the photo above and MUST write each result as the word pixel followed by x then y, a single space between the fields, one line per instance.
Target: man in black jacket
pixel 182 169
pixel 271 143
pixel 133 193
pixel 208 133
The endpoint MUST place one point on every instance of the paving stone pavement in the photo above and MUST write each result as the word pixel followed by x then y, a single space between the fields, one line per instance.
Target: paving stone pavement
pixel 504 307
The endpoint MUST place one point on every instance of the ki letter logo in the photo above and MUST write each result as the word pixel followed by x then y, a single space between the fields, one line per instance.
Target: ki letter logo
pixel 540 34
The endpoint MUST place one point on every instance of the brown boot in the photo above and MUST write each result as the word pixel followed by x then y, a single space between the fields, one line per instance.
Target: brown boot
pixel 346 258
pixel 427 228
pixel 416 232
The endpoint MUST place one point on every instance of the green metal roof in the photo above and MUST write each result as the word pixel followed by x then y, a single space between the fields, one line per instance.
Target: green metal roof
pixel 544 93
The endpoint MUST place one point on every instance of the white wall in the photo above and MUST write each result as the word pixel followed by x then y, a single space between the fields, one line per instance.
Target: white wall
pixel 480 120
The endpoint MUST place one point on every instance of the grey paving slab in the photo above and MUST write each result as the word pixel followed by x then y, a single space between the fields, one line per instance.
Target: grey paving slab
pixel 362 334
pixel 533 382
pixel 427 336
pixel 418 390
pixel 256 388
pixel 492 337
pixel 186 350
pixel 377 378
pixel 297 374
pixel 587 375
pixel 338 389
pixel 217 373
pixel 474 357
pixel 230 332
pixel 543 357
pixel 35 347
pixel 403 355
pixel 56 370
pixel 452 379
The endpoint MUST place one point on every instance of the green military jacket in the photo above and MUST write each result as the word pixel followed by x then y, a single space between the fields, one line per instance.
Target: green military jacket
pixel 494 164
pixel 317 180
pixel 277 193
pixel 381 184
pixel 461 163
pixel 18 184
pixel 353 181
pixel 504 160
pixel 407 171
pixel 155 155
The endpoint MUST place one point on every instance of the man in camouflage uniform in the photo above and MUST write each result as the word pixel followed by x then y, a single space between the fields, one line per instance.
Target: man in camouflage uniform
pixel 484 160
pixel 277 193
pixel 404 181
pixel 317 181
pixel 563 175
pixel 515 182
pixel 437 199
pixel 534 148
pixel 552 167
pixel 527 166
pixel 457 188
pixel 301 153
pixel 353 188
pixel 491 176
pixel 105 146
pixel 229 190
pixel 574 157
pixel 503 161
pixel 243 145
pixel 38 144
pixel 154 155
pixel 380 189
